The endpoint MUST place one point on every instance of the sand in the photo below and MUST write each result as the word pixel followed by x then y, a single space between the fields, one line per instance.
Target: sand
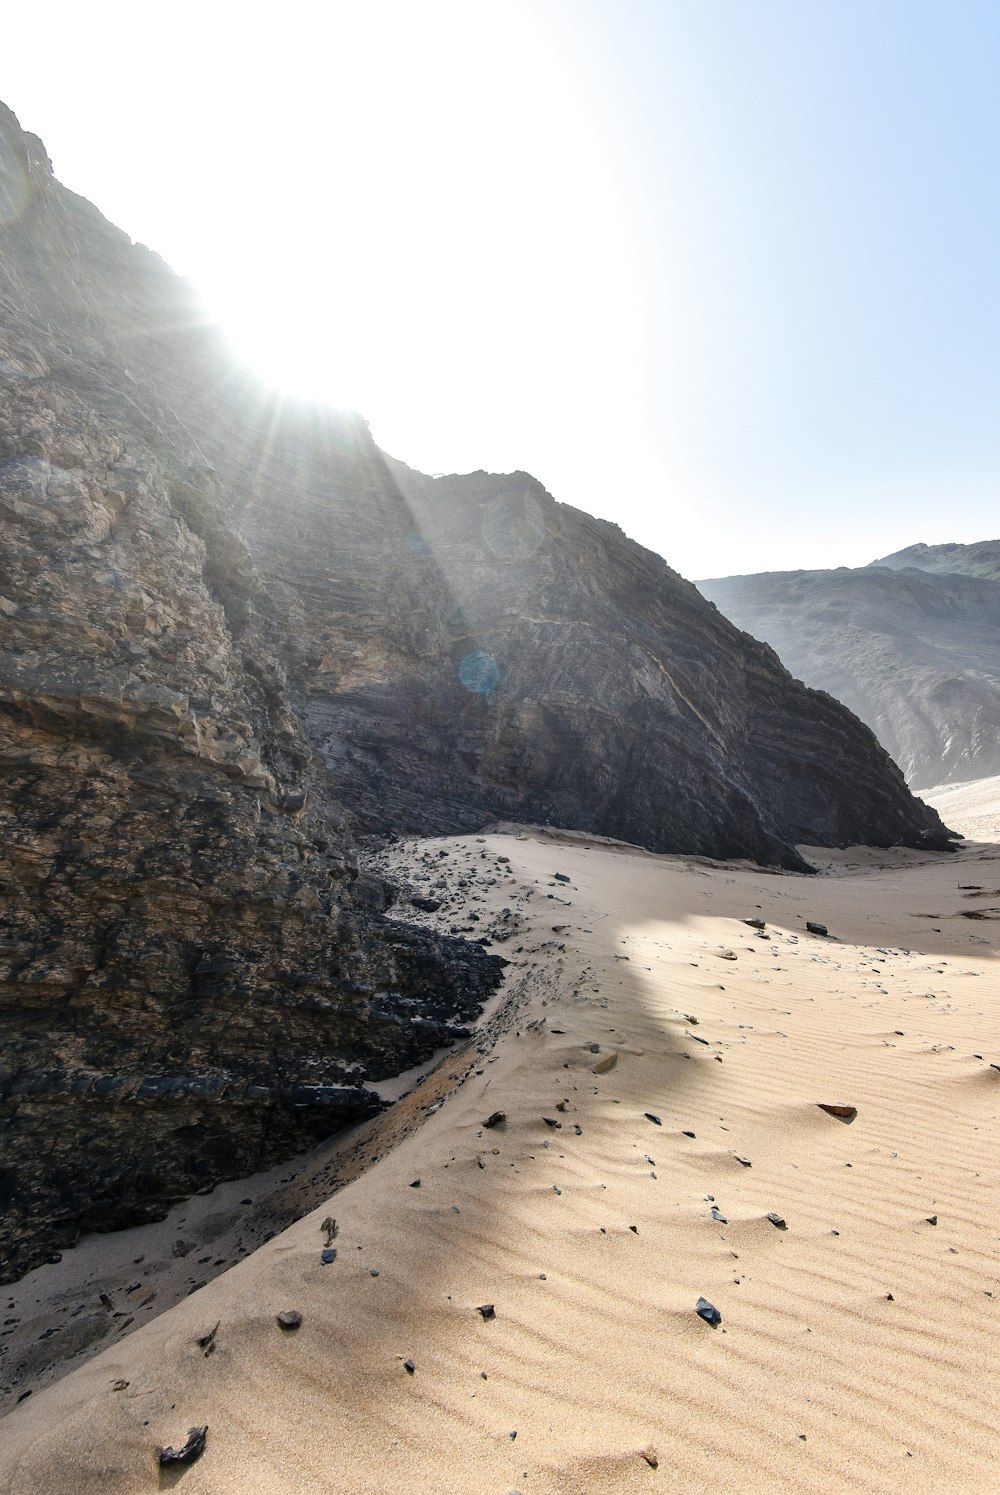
pixel 857 1347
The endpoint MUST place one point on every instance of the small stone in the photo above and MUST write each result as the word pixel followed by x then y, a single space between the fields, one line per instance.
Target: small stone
pixel 776 1220
pixel 497 1119
pixel 718 1215
pixel 327 1255
pixel 560 877
pixel 728 955
pixel 846 1112
pixel 409 1366
pixel 551 1121
pixel 816 928
pixel 708 1311
pixel 373 1271
pixel 687 1134
pixel 650 1455
pixel 746 1163
pixel 329 1229
pixel 415 1184
pixel 652 1116
pixel 191 1450
pixel 932 1219
pixel 118 1385
pixel 755 923
pixel 487 1310
pixel 578 1130
pixel 290 1318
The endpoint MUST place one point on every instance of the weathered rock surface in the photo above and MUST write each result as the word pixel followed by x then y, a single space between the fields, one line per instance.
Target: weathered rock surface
pixel 982 558
pixel 913 652
pixel 233 635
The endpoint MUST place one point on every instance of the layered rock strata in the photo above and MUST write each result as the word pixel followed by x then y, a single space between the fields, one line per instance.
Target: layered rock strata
pixel 914 653
pixel 233 636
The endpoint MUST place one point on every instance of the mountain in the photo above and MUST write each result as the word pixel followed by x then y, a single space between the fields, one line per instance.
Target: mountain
pixel 236 638
pixel 913 652
pixel 979 559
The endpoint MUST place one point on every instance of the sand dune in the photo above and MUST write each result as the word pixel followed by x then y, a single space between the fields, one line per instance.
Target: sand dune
pixel 857 1344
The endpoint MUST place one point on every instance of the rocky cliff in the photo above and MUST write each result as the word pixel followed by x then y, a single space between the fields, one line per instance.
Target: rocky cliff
pixel 914 653
pixel 979 559
pixel 233 637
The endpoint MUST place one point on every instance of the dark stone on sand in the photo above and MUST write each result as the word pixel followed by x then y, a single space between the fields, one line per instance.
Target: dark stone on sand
pixel 497 1119
pixel 816 928
pixel 551 1121
pixel 409 1366
pixel 718 1215
pixel 776 1220
pixel 652 1116
pixel 487 1310
pixel 932 1219
pixel 687 1134
pixel 755 923
pixel 560 877
pixel 426 905
pixel 290 1319
pixel 844 1112
pixel 192 1449
pixel 415 1184
pixel 708 1311
pixel 327 1255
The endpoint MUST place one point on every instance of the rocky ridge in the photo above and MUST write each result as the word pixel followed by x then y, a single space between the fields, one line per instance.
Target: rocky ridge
pixel 234 636
pixel 914 653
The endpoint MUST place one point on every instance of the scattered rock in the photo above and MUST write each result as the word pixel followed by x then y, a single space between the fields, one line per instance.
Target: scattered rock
pixel 329 1229
pixel 649 1454
pixel 551 1121
pixel 652 1116
pixel 755 923
pixel 415 1184
pixel 487 1310
pixel 560 877
pixel 497 1119
pixel 845 1112
pixel 328 1255
pixel 816 928
pixel 745 1162
pixel 119 1385
pixel 708 1311
pixel 718 1215
pixel 191 1450
pixel 932 1219
pixel 728 955
pixel 687 1134
pixel 776 1220
pixel 290 1318
pixel 409 1366
pixel 207 1341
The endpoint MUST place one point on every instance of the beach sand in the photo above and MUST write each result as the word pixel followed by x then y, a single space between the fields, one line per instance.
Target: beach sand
pixel 857 1343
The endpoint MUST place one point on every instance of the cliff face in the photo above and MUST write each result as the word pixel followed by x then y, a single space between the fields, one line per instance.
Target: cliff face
pixel 233 635
pixel 914 653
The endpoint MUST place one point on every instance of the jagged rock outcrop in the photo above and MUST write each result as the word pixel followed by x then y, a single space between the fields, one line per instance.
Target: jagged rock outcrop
pixel 234 635
pixel 914 653
pixel 979 559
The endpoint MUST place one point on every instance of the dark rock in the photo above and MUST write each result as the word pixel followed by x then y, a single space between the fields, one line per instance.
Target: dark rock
pixel 708 1311
pixel 717 1214
pixel 207 1341
pixel 290 1318
pixel 755 923
pixel 932 1219
pixel 487 1310
pixel 776 1220
pixel 652 1116
pixel 551 1121
pixel 225 659
pixel 687 1134
pixel 814 928
pixel 496 1119
pixel 409 1366
pixel 415 1184
pixel 560 877
pixel 328 1255
pixel 426 905
pixel 192 1449
pixel 844 1112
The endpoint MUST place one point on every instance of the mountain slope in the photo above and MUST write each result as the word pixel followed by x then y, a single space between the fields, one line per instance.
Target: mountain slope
pixel 916 655
pixel 234 636
pixel 980 559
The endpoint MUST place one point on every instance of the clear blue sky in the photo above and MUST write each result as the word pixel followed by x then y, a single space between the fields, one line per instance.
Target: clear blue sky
pixel 725 271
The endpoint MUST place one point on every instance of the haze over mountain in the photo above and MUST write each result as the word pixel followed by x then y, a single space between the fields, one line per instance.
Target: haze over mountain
pixel 911 643
pixel 236 636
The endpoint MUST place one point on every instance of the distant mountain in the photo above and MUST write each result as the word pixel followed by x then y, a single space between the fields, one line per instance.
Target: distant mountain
pixel 980 559
pixel 911 644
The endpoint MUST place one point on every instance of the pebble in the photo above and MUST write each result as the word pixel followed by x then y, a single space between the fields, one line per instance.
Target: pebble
pixel 932 1219
pixel 290 1318
pixel 718 1215
pixel 652 1116
pixel 327 1255
pixel 708 1311
pixel 496 1119
pixel 409 1366
pixel 833 1108
pixel 816 928
pixel 189 1451
pixel 776 1220
pixel 487 1310
pixel 650 1455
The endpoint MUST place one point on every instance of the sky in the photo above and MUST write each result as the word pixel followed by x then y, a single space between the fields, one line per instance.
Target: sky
pixel 722 271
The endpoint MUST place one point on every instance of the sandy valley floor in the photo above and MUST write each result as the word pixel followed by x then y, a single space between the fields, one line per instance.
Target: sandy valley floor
pixel 659 1065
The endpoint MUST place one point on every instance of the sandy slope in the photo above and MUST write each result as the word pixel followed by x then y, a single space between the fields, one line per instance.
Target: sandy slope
pixel 973 808
pixel 857 1349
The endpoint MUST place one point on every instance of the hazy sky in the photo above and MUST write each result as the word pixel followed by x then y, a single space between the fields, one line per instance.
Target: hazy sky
pixel 724 271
